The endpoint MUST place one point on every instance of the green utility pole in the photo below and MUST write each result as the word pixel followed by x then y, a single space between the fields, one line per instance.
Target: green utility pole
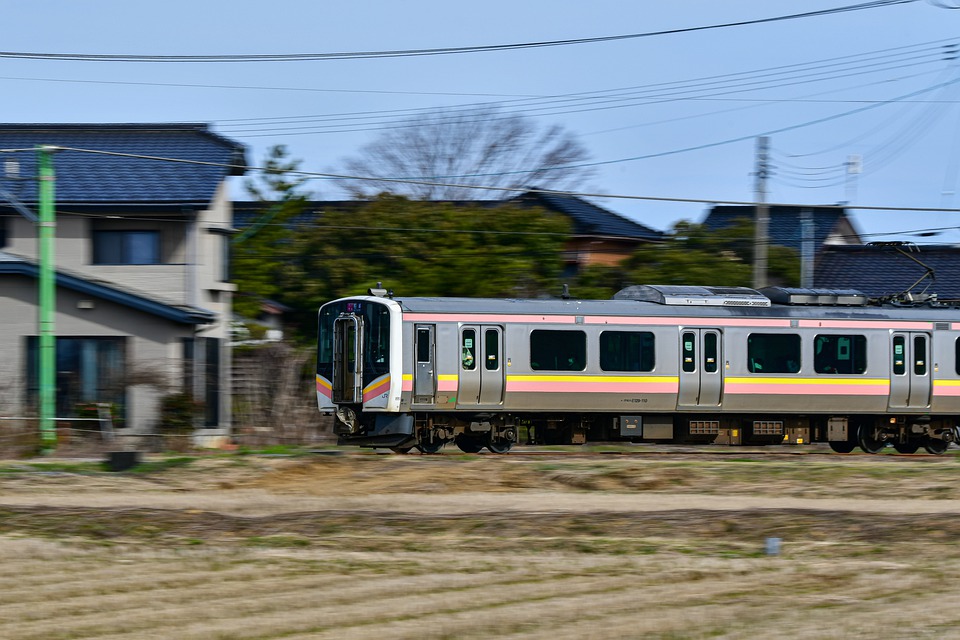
pixel 47 227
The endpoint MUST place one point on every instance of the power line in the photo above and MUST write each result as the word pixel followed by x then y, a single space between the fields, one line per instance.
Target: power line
pixel 402 53
pixel 311 174
pixel 710 87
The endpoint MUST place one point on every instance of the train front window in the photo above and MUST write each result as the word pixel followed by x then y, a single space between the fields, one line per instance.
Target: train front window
pixel 374 323
pixel 558 350
pixel 627 351
pixel 773 353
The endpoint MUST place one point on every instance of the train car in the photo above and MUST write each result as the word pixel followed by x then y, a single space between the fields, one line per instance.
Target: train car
pixel 666 364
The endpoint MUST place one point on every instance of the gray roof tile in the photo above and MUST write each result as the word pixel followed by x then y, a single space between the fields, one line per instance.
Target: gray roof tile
pixel 85 177
pixel 881 270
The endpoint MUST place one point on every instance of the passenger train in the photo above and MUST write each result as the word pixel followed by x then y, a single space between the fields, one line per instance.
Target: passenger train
pixel 666 364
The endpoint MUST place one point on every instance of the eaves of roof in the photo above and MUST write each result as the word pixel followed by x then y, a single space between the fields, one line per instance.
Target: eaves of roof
pixel 182 314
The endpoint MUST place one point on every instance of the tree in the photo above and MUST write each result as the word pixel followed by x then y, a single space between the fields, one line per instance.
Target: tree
pixel 261 255
pixel 480 146
pixel 692 255
pixel 431 249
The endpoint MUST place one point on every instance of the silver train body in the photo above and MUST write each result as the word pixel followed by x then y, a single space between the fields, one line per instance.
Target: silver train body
pixel 663 364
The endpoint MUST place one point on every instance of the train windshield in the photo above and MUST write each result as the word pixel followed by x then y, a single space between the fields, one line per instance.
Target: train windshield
pixel 372 322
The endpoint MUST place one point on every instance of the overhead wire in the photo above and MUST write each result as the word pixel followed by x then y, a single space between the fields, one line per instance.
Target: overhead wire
pixel 570 103
pixel 397 53
pixel 579 194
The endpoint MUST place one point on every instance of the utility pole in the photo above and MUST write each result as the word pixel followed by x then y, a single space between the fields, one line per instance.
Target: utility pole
pixel 46 235
pixel 762 215
pixel 806 248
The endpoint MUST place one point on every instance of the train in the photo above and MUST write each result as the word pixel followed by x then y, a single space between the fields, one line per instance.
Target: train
pixel 656 363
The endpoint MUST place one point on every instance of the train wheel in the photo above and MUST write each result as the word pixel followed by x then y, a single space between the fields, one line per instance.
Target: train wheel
pixel 430 447
pixel 468 445
pixel 499 446
pixel 842 446
pixel 867 441
pixel 936 446
pixel 906 447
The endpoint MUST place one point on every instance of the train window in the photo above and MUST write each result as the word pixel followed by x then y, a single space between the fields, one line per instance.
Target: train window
pixel 899 355
pixel 627 351
pixel 689 348
pixel 491 341
pixel 558 350
pixel 468 350
pixel 956 358
pixel 710 352
pixel 840 354
pixel 423 345
pixel 773 353
pixel 920 355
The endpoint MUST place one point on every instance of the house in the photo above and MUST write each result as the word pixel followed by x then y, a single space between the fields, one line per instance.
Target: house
pixel 142 294
pixel 599 236
pixel 889 269
pixel 828 225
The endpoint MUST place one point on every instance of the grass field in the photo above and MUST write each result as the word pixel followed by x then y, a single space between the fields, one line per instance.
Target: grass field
pixel 554 545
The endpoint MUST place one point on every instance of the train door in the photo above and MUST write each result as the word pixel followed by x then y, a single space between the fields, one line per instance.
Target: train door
pixel 424 373
pixel 481 366
pixel 910 381
pixel 701 376
pixel 347 359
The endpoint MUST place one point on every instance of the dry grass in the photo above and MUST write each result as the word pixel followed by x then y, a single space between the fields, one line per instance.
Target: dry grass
pixel 555 546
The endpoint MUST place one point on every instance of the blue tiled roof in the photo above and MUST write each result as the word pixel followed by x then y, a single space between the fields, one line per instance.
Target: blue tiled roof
pixel 589 219
pixel 785 227
pixel 184 314
pixel 87 178
pixel 879 270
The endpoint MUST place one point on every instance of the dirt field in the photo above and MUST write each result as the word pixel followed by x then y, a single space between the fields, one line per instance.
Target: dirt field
pixel 639 542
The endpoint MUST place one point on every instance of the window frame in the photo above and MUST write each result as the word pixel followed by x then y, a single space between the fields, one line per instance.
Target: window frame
pixel 575 349
pixel 126 252
pixel 858 354
pixel 647 358
pixel 775 357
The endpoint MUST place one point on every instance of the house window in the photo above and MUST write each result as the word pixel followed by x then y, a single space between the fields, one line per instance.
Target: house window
pixel 89 371
pixel 224 259
pixel 126 247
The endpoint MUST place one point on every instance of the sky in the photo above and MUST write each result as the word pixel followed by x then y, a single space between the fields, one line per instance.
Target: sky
pixel 675 115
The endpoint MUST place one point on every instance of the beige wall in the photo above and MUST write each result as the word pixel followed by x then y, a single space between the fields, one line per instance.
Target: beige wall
pixel 192 250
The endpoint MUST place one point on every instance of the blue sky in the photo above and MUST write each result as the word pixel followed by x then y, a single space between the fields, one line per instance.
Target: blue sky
pixel 729 84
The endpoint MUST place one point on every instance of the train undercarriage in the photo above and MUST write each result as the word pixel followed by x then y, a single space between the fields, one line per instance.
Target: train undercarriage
pixel 429 432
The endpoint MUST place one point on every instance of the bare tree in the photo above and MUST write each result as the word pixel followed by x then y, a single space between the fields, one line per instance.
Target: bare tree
pixel 446 151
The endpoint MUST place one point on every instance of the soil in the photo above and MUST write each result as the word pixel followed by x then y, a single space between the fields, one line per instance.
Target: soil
pixel 566 543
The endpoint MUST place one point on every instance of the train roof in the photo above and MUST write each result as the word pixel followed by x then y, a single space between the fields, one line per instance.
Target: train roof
pixel 718 302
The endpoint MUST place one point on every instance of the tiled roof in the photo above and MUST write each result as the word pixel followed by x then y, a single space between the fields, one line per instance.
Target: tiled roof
pixel 185 314
pixel 86 177
pixel 785 227
pixel 882 270
pixel 590 219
